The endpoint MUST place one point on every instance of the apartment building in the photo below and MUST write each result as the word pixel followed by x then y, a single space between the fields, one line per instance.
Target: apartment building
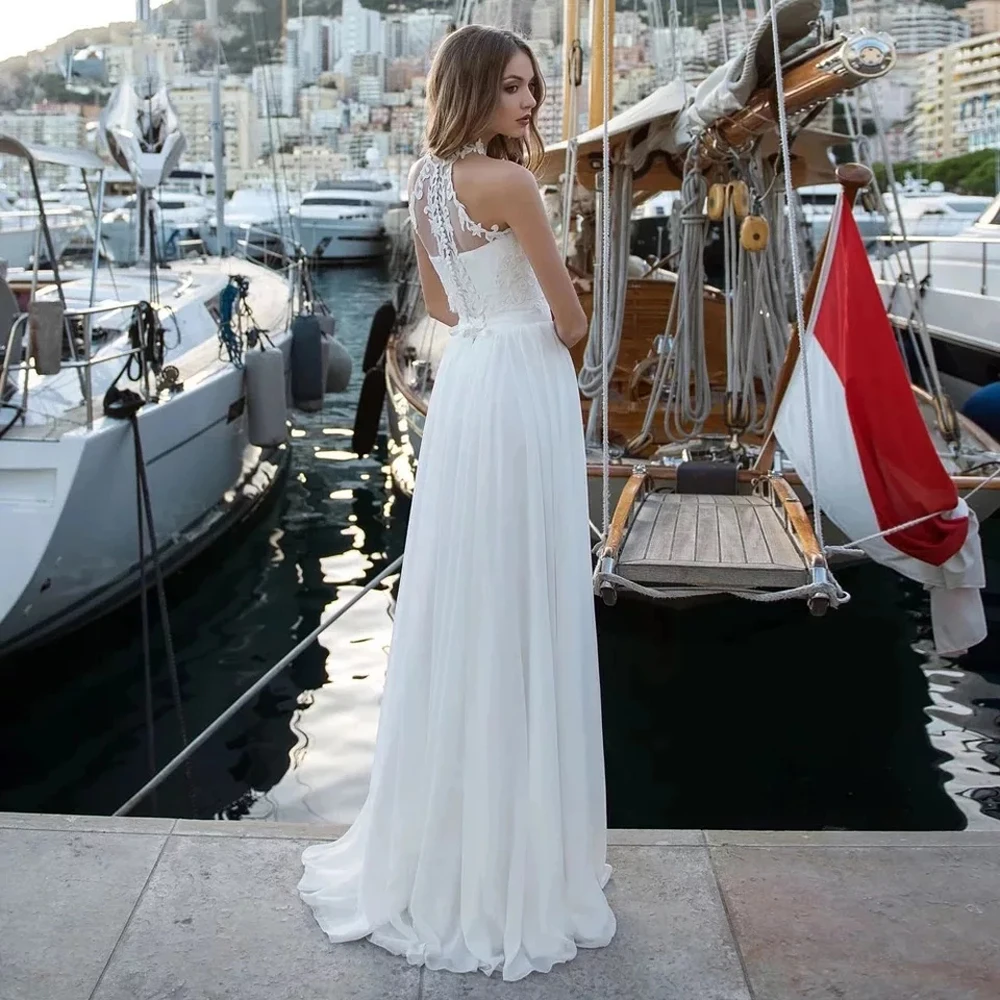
pixel 982 16
pixel 958 97
pixel 192 99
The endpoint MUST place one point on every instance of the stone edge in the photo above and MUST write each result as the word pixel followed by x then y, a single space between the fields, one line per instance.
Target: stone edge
pixel 262 829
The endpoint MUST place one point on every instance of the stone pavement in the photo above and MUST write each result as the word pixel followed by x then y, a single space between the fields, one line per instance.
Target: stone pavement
pixel 94 908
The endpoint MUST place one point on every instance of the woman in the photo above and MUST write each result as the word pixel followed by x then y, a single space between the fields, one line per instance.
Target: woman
pixel 483 838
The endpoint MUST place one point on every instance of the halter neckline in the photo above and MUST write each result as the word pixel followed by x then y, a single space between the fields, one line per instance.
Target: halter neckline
pixel 467 150
pixel 473 147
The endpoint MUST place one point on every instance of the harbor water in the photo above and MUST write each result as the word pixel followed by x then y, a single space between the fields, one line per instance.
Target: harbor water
pixel 728 716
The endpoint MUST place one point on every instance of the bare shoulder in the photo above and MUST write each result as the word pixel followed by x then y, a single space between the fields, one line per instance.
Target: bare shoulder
pixel 511 177
pixel 501 189
pixel 493 191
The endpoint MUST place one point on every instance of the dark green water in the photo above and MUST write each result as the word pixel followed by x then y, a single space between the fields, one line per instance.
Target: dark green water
pixel 726 716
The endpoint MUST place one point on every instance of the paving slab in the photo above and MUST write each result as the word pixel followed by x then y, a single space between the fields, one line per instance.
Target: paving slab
pixel 93 908
pixel 221 919
pixel 66 895
pixel 876 923
pixel 673 941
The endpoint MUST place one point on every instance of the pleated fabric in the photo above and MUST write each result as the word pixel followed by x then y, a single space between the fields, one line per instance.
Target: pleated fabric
pixel 482 843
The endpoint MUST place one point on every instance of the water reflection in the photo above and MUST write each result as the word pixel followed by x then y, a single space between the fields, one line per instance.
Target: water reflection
pixel 729 715
pixel 327 777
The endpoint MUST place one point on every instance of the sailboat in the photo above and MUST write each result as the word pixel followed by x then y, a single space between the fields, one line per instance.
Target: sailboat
pixel 143 411
pixel 694 373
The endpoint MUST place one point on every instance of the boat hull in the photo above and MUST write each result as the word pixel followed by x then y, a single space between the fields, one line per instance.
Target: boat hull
pixel 962 327
pixel 341 240
pixel 17 246
pixel 70 505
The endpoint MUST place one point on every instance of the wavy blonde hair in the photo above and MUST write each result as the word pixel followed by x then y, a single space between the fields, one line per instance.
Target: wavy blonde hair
pixel 463 91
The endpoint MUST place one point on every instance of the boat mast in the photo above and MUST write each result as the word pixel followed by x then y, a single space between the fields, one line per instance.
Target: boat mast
pixel 212 16
pixel 572 68
pixel 142 14
pixel 601 62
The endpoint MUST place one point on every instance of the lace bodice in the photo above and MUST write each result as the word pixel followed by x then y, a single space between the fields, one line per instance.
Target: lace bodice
pixel 485 273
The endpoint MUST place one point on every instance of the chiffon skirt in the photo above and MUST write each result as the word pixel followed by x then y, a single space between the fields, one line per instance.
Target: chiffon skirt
pixel 482 843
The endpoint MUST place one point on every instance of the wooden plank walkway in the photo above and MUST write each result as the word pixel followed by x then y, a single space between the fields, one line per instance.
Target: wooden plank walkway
pixel 701 540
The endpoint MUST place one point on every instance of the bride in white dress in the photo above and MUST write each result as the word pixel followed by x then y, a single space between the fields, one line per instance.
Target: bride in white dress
pixel 482 843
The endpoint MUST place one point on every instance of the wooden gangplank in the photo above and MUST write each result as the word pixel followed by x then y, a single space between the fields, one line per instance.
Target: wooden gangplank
pixel 710 541
pixel 736 538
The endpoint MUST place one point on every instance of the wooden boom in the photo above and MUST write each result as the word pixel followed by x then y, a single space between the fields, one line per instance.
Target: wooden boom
pixel 842 65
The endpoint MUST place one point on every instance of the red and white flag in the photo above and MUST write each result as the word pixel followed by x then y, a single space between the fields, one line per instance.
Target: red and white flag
pixel 876 466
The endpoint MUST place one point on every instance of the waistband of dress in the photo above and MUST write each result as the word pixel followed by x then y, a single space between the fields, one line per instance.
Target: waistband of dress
pixel 497 321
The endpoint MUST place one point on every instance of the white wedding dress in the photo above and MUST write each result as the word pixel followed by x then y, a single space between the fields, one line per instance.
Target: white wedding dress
pixel 482 843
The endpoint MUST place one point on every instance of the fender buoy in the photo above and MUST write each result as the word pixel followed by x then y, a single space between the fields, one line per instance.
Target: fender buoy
pixel 265 392
pixel 308 369
pixel 378 335
pixel 368 416
pixel 338 367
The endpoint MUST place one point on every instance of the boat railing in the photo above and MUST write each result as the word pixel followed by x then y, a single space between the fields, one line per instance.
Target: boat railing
pixel 929 241
pixel 83 365
pixel 265 246
pixel 21 219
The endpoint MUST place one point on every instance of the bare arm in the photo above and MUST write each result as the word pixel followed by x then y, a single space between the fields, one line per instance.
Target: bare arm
pixel 435 297
pixel 525 214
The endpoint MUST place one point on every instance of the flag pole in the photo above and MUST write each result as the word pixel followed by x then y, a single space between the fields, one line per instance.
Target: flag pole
pixel 852 177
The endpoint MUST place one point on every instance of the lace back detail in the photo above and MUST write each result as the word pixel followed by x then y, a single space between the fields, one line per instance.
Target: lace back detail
pixel 441 222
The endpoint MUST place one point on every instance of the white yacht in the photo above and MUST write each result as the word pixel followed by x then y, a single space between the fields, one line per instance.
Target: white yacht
pixel 143 411
pixel 22 237
pixel 178 218
pixel 344 220
pixel 953 256
pixel 932 211
pixel 816 203
pixel 257 224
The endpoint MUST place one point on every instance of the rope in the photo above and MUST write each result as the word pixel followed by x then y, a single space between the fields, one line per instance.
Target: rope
pixel 144 512
pixel 684 415
pixel 828 588
pixel 610 282
pixel 786 159
pixel 659 378
pixel 228 337
pixel 759 329
pixel 605 257
pixel 256 687
pixel 730 251
pixel 854 547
